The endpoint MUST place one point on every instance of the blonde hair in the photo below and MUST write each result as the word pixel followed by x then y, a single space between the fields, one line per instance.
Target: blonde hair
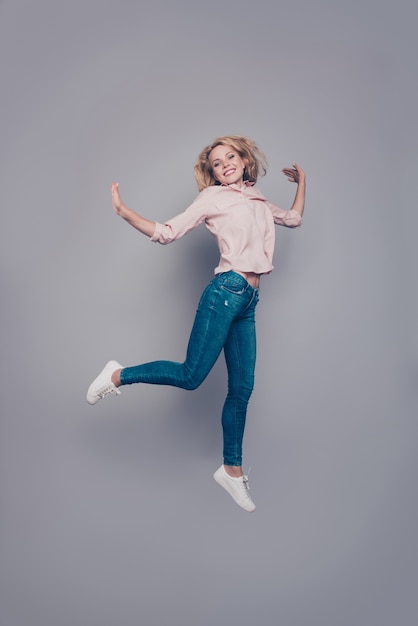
pixel 255 161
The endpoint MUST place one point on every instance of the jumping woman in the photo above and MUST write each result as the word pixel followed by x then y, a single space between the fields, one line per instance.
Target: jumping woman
pixel 242 221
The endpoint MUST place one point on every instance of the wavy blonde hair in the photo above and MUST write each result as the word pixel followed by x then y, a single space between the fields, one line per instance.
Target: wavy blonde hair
pixel 254 160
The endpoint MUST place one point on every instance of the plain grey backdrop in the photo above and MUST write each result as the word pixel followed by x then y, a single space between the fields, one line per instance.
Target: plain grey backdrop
pixel 109 514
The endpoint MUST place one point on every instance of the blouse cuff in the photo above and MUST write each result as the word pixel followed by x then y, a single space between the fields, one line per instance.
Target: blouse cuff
pixel 157 232
pixel 293 218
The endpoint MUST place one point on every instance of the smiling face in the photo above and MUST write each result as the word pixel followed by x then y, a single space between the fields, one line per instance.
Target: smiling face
pixel 227 165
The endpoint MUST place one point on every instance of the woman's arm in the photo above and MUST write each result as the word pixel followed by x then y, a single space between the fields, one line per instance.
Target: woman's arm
pixel 146 227
pixel 296 174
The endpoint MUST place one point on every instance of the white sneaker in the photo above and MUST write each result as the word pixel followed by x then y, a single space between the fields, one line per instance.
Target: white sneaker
pixel 236 487
pixel 102 386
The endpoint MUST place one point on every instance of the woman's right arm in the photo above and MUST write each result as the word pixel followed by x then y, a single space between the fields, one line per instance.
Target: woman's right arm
pixel 146 227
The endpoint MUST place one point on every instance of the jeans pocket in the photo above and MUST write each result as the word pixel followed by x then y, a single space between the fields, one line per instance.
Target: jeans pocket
pixel 233 283
pixel 236 290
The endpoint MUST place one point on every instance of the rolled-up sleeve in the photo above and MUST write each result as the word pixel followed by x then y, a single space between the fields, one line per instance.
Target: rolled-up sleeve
pixel 283 217
pixel 181 224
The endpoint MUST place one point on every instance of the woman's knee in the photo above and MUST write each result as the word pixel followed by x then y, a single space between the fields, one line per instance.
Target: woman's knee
pixel 241 389
pixel 193 379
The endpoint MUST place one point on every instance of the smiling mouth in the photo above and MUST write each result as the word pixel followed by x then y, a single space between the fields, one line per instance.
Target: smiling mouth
pixel 228 172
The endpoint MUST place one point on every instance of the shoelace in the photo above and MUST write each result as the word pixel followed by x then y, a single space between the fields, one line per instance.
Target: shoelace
pixel 108 389
pixel 245 486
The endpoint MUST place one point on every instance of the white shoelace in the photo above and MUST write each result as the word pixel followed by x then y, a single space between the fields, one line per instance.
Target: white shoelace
pixel 245 487
pixel 108 389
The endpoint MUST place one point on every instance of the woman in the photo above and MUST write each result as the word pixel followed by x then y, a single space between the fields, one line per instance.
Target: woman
pixel 242 221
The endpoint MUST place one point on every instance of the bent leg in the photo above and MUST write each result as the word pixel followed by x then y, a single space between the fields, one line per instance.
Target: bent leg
pixel 208 335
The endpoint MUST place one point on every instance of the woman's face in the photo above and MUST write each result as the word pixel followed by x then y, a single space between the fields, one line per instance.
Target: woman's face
pixel 227 166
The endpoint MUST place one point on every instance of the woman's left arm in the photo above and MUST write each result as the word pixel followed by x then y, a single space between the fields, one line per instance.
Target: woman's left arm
pixel 296 174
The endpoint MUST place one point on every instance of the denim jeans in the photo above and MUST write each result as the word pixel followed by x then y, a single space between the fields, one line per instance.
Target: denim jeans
pixel 225 318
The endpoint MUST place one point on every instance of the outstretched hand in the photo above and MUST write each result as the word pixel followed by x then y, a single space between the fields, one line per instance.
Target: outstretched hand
pixel 146 227
pixel 116 199
pixel 294 174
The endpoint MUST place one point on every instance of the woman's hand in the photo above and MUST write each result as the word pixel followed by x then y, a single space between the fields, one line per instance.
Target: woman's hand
pixel 146 227
pixel 117 203
pixel 294 174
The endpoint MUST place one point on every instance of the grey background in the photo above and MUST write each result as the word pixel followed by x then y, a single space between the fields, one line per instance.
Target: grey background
pixel 110 515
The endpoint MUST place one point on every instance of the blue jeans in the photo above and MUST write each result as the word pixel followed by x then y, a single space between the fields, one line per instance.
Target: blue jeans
pixel 225 318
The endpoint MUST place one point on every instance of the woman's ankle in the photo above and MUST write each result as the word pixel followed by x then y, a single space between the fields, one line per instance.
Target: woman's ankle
pixel 233 470
pixel 116 378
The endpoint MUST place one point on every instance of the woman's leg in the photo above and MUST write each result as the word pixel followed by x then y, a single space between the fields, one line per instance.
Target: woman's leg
pixel 208 335
pixel 240 356
pixel 226 297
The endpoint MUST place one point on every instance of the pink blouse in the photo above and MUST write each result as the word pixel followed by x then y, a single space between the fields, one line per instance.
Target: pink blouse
pixel 242 222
